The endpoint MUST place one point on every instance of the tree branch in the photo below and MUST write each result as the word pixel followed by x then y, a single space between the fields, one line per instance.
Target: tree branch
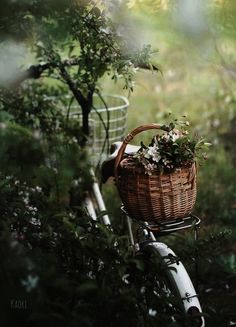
pixel 76 92
pixel 35 71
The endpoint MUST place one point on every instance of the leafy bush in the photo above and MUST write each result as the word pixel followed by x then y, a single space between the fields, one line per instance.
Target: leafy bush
pixel 77 272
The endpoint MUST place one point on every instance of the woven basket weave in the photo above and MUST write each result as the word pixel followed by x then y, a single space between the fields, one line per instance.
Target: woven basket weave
pixel 155 198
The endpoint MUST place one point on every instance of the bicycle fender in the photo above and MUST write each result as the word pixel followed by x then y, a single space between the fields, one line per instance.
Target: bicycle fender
pixel 179 278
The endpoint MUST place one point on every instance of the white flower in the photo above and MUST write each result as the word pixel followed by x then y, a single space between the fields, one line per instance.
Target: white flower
pixel 38 189
pixel 166 162
pixel 172 135
pixel 35 221
pixel 152 312
pixel 30 282
pixel 125 278
pixel 153 153
pixel 149 168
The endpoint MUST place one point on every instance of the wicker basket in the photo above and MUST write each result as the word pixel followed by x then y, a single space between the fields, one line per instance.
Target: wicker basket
pixel 155 198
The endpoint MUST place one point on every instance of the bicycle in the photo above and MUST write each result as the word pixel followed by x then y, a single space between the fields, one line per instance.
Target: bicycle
pixel 178 281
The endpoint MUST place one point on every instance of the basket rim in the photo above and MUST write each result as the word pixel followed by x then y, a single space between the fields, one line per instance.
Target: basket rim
pixel 139 168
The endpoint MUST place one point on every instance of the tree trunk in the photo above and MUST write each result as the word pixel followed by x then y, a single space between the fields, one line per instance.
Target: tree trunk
pixel 86 107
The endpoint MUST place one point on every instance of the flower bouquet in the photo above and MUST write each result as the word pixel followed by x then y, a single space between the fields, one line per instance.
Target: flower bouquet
pixel 158 182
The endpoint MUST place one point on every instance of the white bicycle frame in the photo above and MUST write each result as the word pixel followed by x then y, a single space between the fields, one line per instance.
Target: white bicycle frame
pixel 99 204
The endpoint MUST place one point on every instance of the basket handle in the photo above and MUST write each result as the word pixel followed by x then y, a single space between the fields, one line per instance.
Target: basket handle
pixel 128 139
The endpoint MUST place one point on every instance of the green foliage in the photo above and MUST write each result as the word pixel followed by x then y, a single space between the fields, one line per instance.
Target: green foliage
pixel 74 271
pixel 216 197
pixel 36 106
pixel 27 12
pixel 94 47
pixel 77 44
pixel 40 144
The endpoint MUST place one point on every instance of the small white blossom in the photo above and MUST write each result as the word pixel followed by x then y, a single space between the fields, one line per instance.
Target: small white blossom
pixel 55 170
pixel 38 189
pixel 26 200
pixel 35 222
pixel 154 154
pixel 152 312
pixel 125 278
pixel 149 168
pixel 30 282
pixel 166 161
pixel 172 135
